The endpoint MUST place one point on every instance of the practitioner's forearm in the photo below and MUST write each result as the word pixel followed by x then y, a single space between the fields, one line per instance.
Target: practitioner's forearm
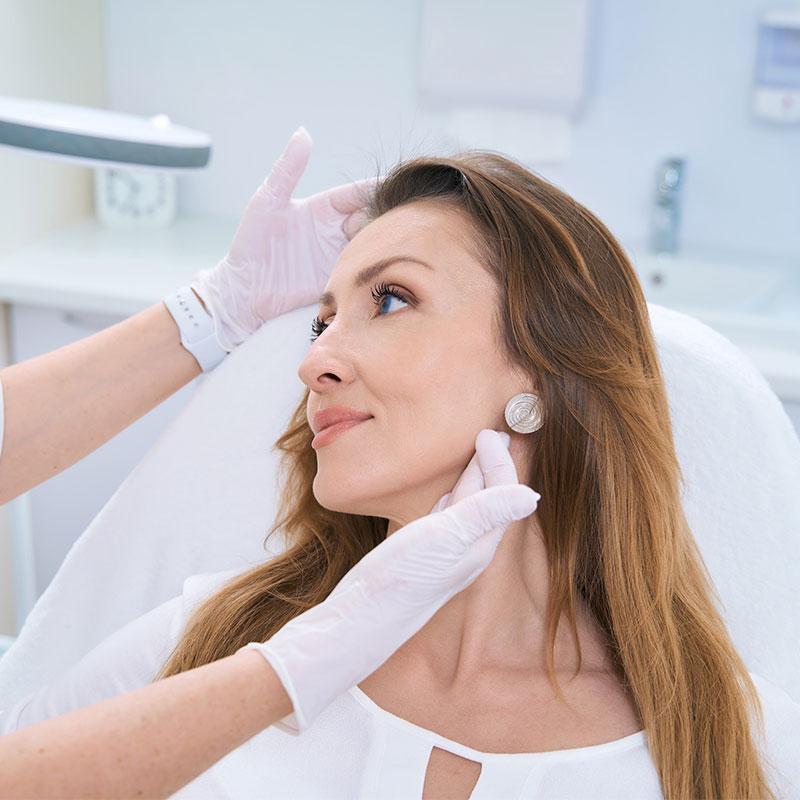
pixel 149 742
pixel 63 405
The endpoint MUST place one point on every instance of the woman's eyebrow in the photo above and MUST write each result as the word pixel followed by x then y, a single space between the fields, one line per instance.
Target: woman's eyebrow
pixel 368 274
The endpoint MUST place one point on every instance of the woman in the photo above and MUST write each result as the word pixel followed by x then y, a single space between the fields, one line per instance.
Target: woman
pixel 153 740
pixel 595 618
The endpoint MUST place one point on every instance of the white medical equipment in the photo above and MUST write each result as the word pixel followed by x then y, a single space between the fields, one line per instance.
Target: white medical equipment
pixel 93 136
pixel 203 497
pixel 146 153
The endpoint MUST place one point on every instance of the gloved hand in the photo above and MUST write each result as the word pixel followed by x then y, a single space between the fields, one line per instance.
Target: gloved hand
pixel 283 251
pixel 398 586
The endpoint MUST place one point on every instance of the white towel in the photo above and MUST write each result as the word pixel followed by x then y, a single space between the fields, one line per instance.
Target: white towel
pixel 203 497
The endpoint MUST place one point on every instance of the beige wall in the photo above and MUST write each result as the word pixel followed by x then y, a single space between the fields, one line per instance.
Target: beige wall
pixel 49 50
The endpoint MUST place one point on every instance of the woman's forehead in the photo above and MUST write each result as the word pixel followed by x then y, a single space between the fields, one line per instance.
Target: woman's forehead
pixel 426 230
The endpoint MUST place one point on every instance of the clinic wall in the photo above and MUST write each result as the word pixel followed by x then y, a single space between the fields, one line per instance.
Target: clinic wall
pixel 663 79
pixel 50 50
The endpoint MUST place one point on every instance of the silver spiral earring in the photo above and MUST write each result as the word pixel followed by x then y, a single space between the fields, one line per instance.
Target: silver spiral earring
pixel 524 413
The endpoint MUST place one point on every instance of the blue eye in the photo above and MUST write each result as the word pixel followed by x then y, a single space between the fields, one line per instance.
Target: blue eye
pixel 381 293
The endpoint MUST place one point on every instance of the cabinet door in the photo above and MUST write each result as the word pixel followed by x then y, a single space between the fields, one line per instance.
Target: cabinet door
pixel 63 506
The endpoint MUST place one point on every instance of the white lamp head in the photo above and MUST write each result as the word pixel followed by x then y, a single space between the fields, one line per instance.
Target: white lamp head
pixel 97 136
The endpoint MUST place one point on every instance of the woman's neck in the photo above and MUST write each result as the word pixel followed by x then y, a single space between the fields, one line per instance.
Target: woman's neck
pixel 498 623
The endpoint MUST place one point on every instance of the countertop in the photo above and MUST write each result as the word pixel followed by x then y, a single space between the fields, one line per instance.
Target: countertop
pixel 89 267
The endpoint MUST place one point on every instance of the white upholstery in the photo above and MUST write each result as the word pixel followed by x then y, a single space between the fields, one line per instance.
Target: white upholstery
pixel 203 497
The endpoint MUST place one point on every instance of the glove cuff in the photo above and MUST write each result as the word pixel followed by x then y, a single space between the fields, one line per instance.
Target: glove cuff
pixel 296 722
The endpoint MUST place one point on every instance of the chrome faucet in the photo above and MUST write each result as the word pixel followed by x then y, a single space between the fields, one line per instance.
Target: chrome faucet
pixel 666 211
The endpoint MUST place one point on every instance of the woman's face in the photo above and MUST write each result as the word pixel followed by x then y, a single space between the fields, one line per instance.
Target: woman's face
pixel 426 369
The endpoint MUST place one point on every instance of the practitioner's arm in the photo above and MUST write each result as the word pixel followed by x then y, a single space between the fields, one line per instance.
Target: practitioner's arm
pixel 149 742
pixel 63 405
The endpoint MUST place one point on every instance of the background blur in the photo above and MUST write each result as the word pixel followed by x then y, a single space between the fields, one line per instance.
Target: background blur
pixel 661 78
pixel 656 80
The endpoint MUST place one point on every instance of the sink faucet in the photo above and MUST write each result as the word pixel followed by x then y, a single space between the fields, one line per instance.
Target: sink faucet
pixel 666 212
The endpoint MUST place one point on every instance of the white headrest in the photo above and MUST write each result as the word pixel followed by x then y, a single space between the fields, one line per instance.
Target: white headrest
pixel 203 498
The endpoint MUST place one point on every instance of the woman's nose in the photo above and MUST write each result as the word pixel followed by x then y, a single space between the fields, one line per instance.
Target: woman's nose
pixel 326 365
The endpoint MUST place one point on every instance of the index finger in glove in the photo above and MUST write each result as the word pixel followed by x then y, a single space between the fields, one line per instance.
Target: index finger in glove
pixel 335 207
pixel 497 466
pixel 351 197
pixel 354 223
pixel 469 482
pixel 495 507
pixel 473 478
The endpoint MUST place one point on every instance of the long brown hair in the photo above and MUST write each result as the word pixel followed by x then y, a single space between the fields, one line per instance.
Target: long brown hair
pixel 572 314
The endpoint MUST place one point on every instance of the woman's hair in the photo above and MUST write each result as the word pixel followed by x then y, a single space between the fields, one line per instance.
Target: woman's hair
pixel 572 315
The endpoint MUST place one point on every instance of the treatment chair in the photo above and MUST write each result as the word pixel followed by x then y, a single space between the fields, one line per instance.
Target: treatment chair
pixel 204 496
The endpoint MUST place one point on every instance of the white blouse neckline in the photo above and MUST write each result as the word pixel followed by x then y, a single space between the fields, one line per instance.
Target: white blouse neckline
pixel 590 751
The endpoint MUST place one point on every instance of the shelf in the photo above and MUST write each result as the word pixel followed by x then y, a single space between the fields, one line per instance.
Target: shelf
pixel 89 267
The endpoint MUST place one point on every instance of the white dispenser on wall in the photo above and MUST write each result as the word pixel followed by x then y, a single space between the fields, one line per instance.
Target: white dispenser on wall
pixel 776 91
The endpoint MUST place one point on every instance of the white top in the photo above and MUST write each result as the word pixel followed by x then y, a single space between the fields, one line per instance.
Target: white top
pixel 355 749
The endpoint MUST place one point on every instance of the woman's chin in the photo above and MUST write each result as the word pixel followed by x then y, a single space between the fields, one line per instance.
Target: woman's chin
pixel 334 499
pixel 348 504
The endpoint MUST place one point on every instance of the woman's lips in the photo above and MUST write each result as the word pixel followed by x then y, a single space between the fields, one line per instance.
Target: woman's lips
pixel 327 435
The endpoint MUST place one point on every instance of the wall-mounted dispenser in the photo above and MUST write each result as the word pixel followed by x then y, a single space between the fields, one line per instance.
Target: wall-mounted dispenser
pixel 776 92
pixel 506 74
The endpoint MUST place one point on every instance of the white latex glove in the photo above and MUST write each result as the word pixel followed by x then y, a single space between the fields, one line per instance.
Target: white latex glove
pixel 283 251
pixel 398 586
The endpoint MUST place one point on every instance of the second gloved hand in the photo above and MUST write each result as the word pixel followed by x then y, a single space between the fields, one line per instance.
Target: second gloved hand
pixel 398 586
pixel 283 251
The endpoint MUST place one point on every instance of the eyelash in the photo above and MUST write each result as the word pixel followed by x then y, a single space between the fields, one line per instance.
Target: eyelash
pixel 379 292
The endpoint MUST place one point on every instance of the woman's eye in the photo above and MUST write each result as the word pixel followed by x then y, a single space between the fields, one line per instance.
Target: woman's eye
pixel 382 296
